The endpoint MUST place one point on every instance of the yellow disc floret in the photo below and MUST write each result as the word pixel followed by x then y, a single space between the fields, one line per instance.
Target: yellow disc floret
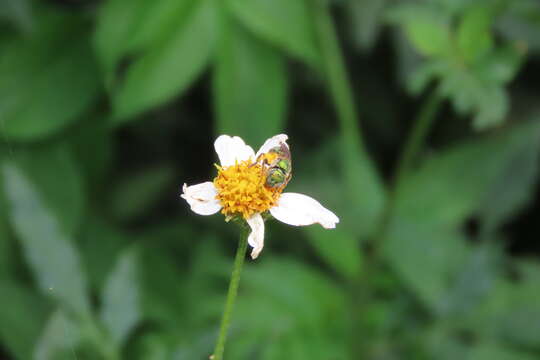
pixel 242 191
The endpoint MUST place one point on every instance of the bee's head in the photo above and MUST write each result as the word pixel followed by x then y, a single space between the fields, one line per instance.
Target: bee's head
pixel 282 151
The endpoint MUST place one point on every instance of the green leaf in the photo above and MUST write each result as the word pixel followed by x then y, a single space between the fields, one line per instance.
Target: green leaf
pixel 454 6
pixel 475 281
pixel 426 27
pixel 117 20
pixel 160 302
pixel 460 177
pixel 287 24
pixel 425 258
pixel 429 37
pixel 100 244
pixel 6 256
pixel 365 21
pixel 490 351
pixel 471 92
pixel 514 189
pixel 516 315
pixel 60 337
pixel 521 325
pixel 421 76
pixel 166 305
pixel 365 194
pixel 519 23
pixel 442 345
pixel 477 89
pixel 120 311
pixel 46 244
pixel 250 86
pixel 510 313
pixel 492 108
pixel 135 194
pixel 357 199
pixel 433 203
pixel 500 65
pixel 19 12
pixel 22 316
pixel 408 62
pixel 44 165
pixel 154 347
pixel 337 248
pixel 5 247
pixel 361 183
pixel 474 33
pixel 169 66
pixel 302 310
pixel 198 346
pixel 128 27
pixel 158 19
pixel 91 143
pixel 35 103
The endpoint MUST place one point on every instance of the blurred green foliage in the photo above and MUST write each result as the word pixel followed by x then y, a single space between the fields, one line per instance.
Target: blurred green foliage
pixel 107 107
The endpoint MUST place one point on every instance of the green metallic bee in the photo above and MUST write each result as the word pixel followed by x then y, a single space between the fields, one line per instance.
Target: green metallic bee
pixel 278 167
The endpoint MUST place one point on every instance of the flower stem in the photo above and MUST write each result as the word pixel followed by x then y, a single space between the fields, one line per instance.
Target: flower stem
pixel 231 296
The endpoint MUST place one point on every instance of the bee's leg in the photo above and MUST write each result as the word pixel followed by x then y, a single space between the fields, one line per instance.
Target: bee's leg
pixel 257 160
pixel 263 164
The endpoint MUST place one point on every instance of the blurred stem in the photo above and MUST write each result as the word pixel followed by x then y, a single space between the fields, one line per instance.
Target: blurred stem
pixel 413 145
pixel 365 289
pixel 231 296
pixel 333 66
pixel 415 141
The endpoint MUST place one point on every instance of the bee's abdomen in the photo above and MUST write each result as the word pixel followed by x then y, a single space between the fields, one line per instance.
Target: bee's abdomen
pixel 276 177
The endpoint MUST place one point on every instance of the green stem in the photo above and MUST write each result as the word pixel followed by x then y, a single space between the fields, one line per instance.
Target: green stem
pixel 231 296
pixel 373 263
pixel 333 66
pixel 421 126
pixel 360 178
pixel 417 137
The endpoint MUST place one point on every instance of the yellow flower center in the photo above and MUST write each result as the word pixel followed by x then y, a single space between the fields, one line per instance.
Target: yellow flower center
pixel 242 191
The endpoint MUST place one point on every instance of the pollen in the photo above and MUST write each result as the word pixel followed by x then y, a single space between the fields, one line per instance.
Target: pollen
pixel 269 157
pixel 242 191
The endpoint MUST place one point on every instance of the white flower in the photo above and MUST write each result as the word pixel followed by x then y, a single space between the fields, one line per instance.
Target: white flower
pixel 240 189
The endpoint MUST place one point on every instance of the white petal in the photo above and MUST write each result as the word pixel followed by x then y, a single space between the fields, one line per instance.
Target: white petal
pixel 256 237
pixel 272 143
pixel 232 149
pixel 202 198
pixel 299 210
